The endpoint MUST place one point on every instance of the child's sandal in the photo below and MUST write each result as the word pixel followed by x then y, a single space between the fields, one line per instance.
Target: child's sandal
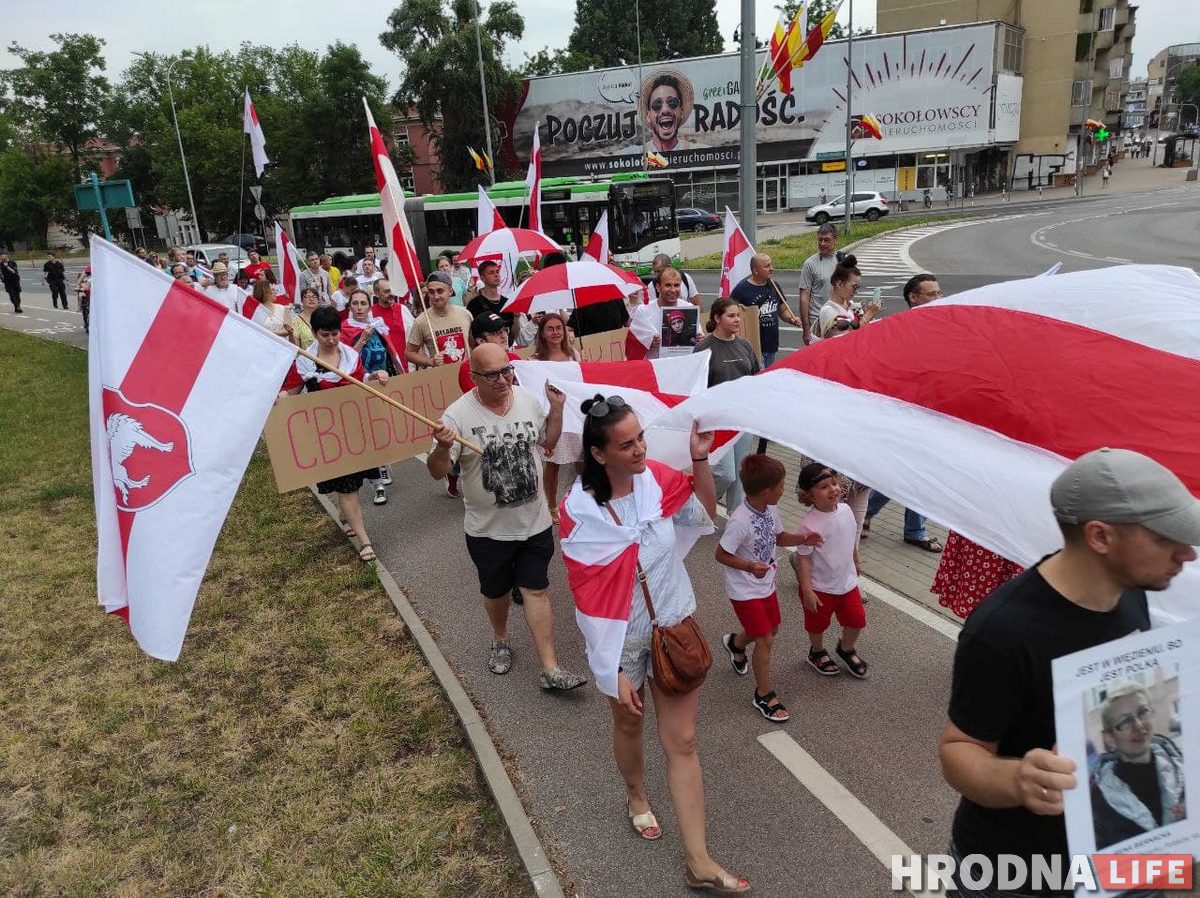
pixel 771 707
pixel 823 664
pixel 856 665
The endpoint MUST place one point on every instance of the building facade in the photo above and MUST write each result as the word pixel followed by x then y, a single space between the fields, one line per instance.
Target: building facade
pixel 1076 62
pixel 1133 122
pixel 1163 73
pixel 947 100
pixel 418 164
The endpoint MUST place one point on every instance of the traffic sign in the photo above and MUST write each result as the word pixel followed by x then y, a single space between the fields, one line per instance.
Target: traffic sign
pixel 259 212
pixel 256 192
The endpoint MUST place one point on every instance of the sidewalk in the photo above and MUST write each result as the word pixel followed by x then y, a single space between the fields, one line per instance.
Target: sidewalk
pixel 1129 176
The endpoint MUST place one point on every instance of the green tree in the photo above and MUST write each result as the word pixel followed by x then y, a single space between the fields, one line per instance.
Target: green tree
pixel 605 30
pixel 554 62
pixel 436 42
pixel 61 94
pixel 35 189
pixel 1187 90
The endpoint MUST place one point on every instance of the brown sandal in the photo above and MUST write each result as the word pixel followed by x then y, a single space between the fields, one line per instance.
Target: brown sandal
pixel 646 826
pixel 366 554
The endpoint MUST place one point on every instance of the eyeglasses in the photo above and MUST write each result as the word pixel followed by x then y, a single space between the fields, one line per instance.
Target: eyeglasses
pixel 1144 715
pixel 494 376
pixel 602 408
pixel 933 294
pixel 672 102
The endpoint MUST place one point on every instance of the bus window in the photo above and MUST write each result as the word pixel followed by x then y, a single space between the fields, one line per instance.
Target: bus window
pixel 640 214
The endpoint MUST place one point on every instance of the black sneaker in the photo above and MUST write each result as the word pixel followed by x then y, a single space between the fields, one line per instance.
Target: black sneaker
pixel 739 667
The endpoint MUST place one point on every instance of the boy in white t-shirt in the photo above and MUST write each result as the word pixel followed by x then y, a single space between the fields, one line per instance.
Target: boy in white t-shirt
pixel 828 574
pixel 747 549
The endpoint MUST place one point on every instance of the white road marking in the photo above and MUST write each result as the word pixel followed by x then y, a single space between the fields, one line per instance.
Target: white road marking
pixel 862 823
pixel 912 608
pixel 1037 238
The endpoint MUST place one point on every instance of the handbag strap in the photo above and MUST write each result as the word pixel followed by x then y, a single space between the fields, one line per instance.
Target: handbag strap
pixel 641 574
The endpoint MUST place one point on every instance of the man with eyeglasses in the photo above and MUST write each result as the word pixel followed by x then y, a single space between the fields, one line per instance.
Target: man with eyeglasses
pixel 1128 526
pixel 510 537
pixel 1137 786
pixel 920 289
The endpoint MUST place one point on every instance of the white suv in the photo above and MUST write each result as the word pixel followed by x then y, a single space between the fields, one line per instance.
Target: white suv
pixel 871 206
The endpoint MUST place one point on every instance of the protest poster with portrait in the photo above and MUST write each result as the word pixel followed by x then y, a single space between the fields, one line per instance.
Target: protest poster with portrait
pixel 678 331
pixel 1128 713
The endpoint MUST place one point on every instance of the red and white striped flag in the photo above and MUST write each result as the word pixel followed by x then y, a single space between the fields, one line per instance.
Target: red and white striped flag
pixel 533 181
pixel 489 218
pixel 289 266
pixel 598 244
pixel 179 389
pixel 651 387
pixel 735 261
pixel 258 140
pixel 405 273
pixel 1000 388
pixel 601 559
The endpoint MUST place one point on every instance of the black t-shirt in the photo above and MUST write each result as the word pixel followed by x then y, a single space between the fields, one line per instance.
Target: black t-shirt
pixel 54 272
pixel 1142 780
pixel 1003 693
pixel 481 305
pixel 598 318
pixel 766 297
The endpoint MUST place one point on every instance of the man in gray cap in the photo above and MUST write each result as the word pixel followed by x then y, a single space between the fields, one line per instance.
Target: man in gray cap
pixel 1128 526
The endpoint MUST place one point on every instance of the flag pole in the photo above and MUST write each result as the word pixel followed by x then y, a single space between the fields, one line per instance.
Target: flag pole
pixel 388 399
pixel 241 200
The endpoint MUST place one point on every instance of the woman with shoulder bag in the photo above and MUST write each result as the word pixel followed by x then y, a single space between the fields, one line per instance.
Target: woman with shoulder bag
pixel 635 610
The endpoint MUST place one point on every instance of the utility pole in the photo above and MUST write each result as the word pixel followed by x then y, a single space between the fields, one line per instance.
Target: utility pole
pixel 849 126
pixel 749 103
pixel 487 122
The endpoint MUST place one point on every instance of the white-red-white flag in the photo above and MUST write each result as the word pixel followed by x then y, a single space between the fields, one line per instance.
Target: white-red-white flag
pixel 598 245
pixel 405 271
pixel 258 140
pixel 289 265
pixel 489 218
pixel 735 261
pixel 1010 382
pixel 179 389
pixel 601 560
pixel 533 181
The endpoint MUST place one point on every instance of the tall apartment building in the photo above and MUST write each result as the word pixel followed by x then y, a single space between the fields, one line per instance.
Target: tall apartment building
pixel 1134 119
pixel 1076 67
pixel 1163 71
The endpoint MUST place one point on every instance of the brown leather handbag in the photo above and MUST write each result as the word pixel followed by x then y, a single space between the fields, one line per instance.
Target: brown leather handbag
pixel 679 654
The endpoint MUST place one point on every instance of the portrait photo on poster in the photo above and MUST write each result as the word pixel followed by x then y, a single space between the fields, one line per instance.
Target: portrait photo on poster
pixel 1125 711
pixel 679 330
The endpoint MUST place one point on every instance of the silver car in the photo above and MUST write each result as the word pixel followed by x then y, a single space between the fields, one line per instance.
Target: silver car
pixel 870 205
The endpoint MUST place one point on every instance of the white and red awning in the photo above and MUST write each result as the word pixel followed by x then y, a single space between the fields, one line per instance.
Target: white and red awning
pixel 571 285
pixel 966 409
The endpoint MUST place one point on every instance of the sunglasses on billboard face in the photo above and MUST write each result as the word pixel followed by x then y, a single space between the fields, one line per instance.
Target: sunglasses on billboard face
pixel 672 102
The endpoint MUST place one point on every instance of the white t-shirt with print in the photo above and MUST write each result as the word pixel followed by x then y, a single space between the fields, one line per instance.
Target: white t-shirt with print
pixel 832 561
pixel 502 489
pixel 750 535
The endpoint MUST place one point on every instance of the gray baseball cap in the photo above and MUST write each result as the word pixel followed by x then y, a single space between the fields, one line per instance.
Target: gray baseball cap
pixel 1118 486
pixel 439 277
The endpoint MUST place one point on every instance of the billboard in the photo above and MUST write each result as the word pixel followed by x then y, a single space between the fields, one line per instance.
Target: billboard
pixel 928 89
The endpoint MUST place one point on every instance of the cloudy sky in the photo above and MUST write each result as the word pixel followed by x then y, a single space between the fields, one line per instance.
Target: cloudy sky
pixel 129 25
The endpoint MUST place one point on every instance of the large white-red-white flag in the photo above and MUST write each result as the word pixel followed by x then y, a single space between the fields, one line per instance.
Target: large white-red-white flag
pixel 735 260
pixel 601 560
pixel 651 388
pixel 405 270
pixel 999 389
pixel 533 181
pixel 488 218
pixel 258 140
pixel 288 260
pixel 170 438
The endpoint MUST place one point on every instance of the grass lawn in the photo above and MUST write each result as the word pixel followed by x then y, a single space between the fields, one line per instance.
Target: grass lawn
pixel 791 251
pixel 300 747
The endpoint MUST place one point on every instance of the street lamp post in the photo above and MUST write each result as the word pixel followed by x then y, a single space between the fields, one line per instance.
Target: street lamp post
pixel 179 137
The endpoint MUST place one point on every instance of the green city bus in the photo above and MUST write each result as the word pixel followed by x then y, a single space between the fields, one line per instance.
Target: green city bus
pixel 641 218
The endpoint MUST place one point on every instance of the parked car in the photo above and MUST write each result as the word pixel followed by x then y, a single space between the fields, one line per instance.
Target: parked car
pixel 697 220
pixel 207 253
pixel 871 206
pixel 249 242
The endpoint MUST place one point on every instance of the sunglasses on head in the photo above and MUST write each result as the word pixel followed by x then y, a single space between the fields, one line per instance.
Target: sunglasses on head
pixel 672 102
pixel 602 408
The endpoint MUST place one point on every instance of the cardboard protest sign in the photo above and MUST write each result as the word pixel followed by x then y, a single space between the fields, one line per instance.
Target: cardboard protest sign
pixel 318 436
pixel 1131 704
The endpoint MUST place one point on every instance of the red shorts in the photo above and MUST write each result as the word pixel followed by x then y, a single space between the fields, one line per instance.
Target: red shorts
pixel 757 616
pixel 848 607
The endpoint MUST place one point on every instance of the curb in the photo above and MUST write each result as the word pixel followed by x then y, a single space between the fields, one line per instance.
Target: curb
pixel 533 854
